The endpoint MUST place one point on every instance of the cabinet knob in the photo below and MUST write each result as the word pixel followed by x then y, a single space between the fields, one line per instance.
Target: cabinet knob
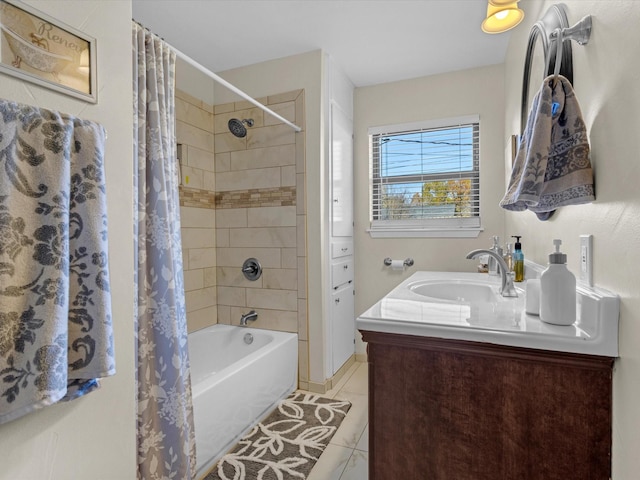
pixel 335 200
pixel 344 249
pixel 346 267
pixel 337 300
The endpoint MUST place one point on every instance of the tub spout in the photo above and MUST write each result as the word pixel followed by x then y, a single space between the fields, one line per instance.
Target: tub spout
pixel 506 289
pixel 252 316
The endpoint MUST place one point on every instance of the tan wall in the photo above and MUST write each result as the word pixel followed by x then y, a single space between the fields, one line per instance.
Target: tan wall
pixel 93 436
pixel 194 132
pixel 467 92
pixel 606 73
pixel 260 214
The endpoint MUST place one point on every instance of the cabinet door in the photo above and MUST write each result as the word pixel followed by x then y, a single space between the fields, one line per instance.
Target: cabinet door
pixel 342 327
pixel 341 249
pixel 341 174
pixel 452 409
pixel 341 273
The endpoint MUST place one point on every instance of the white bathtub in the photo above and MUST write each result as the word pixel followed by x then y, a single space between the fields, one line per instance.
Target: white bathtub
pixel 235 384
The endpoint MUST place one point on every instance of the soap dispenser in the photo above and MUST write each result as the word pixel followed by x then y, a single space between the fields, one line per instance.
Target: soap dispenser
pixel 508 257
pixel 494 268
pixel 558 290
pixel 518 260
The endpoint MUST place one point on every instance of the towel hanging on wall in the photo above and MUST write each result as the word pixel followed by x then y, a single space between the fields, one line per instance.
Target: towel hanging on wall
pixel 55 307
pixel 552 167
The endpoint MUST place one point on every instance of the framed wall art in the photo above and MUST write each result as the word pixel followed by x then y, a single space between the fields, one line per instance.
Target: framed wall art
pixel 39 49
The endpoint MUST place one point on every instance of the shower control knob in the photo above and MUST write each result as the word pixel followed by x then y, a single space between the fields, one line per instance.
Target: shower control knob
pixel 251 269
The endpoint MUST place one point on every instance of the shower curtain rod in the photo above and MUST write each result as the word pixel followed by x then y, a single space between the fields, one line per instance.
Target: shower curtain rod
pixel 233 88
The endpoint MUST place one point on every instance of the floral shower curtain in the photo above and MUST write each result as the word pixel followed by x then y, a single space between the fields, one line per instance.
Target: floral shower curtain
pixel 166 440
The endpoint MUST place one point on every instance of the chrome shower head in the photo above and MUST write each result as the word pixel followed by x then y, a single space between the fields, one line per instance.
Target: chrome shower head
pixel 237 127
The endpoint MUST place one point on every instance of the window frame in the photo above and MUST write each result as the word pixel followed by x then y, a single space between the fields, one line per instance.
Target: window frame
pixel 427 227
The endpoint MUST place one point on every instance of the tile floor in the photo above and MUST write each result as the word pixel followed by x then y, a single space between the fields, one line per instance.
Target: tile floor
pixel 346 457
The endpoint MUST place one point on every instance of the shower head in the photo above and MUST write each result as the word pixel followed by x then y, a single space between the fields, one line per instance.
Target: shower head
pixel 237 127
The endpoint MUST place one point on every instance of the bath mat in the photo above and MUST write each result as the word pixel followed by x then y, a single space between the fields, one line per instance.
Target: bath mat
pixel 287 444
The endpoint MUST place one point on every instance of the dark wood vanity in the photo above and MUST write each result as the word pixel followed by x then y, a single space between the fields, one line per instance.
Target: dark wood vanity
pixel 442 409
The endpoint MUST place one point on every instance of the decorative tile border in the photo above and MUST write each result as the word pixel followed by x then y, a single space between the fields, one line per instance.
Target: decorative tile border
pixel 263 197
pixel 193 197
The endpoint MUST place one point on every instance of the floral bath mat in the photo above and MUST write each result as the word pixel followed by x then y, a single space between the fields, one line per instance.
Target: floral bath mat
pixel 287 444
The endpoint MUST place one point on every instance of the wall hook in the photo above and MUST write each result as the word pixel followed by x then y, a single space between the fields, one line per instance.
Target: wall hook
pixel 580 32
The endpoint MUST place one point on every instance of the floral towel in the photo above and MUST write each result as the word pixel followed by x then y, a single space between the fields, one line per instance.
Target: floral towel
pixel 55 307
pixel 552 167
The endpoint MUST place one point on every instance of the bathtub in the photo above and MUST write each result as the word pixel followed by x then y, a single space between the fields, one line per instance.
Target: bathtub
pixel 235 384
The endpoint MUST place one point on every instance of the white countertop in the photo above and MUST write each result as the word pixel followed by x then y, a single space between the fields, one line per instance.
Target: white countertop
pixel 502 322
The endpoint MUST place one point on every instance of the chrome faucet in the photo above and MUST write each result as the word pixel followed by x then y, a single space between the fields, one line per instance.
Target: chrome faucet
pixel 507 288
pixel 252 316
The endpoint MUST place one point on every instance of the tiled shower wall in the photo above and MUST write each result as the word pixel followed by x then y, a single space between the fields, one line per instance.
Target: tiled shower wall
pixel 260 213
pixel 252 206
pixel 194 134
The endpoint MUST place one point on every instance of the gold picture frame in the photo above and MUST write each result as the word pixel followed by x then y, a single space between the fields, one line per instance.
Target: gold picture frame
pixel 40 49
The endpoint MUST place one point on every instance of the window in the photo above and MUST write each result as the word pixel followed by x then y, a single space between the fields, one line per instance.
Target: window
pixel 425 179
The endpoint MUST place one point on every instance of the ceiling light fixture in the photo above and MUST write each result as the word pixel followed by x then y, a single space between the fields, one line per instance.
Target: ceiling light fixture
pixel 502 15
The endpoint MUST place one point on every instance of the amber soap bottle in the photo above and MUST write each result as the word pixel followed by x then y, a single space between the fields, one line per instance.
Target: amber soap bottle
pixel 518 260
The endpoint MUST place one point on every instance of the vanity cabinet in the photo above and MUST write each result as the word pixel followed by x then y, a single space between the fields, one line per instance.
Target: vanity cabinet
pixel 445 409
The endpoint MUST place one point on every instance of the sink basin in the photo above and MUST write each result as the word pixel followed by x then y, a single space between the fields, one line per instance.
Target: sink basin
pixel 467 306
pixel 456 291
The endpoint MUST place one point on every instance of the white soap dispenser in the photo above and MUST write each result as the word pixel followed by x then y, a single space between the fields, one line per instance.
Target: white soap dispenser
pixel 558 290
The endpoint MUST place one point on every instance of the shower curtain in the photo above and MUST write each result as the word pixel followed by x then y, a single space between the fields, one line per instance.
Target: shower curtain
pixel 166 440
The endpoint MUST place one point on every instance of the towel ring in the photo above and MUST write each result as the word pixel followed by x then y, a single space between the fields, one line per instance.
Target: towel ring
pixel 558 62
pixel 553 29
pixel 555 18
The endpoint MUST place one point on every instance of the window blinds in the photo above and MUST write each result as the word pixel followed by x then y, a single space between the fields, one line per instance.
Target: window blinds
pixel 426 174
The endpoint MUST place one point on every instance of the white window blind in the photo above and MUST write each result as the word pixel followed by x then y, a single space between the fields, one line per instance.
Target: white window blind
pixel 425 177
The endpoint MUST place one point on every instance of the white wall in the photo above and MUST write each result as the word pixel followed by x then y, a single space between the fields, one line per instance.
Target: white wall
pixel 196 83
pixel 606 81
pixel 476 91
pixel 94 436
